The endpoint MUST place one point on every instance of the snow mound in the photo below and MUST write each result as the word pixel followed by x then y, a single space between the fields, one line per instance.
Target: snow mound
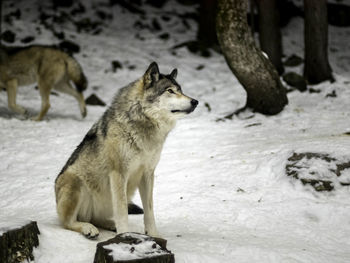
pixel 322 171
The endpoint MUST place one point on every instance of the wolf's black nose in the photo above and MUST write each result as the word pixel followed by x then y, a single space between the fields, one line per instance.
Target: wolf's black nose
pixel 194 103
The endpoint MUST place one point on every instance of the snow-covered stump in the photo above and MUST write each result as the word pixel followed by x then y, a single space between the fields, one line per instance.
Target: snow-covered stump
pixel 17 242
pixel 133 248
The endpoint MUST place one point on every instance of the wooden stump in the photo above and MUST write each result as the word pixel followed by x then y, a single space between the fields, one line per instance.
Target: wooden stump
pixel 17 244
pixel 133 248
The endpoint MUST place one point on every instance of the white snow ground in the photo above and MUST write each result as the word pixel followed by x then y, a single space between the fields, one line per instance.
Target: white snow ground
pixel 221 193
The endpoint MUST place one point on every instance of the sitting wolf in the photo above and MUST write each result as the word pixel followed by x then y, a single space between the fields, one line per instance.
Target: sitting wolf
pixel 119 154
pixel 47 66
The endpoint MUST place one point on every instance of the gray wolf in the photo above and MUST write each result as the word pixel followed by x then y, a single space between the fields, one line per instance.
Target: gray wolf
pixel 119 154
pixel 47 66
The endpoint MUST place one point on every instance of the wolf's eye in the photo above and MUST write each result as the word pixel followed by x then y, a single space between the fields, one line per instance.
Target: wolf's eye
pixel 171 91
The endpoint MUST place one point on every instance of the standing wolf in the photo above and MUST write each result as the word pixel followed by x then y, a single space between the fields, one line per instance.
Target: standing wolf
pixel 47 66
pixel 119 154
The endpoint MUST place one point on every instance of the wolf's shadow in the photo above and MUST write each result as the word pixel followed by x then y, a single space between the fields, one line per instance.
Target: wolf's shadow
pixel 5 113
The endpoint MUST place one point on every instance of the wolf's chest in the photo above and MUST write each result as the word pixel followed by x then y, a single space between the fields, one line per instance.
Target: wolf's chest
pixel 146 158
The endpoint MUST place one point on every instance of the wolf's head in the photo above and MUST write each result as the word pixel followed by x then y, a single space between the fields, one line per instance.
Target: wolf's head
pixel 163 94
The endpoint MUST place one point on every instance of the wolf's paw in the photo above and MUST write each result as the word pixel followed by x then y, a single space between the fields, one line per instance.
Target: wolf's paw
pixel 84 113
pixel 90 231
pixel 18 109
pixel 23 111
pixel 36 118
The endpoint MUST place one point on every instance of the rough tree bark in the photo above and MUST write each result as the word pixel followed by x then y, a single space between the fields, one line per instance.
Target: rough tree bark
pixel 0 19
pixel 317 68
pixel 270 37
pixel 265 93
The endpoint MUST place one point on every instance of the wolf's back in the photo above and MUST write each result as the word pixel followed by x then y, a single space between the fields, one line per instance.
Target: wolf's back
pixel 76 74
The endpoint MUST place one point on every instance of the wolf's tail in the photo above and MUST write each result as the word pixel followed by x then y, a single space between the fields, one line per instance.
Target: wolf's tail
pixel 76 74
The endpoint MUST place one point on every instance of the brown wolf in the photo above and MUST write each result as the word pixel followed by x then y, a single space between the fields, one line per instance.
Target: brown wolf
pixel 47 66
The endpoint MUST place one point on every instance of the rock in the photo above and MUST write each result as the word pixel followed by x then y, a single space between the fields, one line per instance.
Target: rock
pixel 207 105
pixel 16 245
pixel 166 18
pixel 69 46
pixel 14 15
pixel 8 36
pixel 87 25
pixel 62 3
pixel 312 90
pixel 295 80
pixel 200 67
pixel 79 9
pixel 133 248
pixel 156 3
pixel 116 65
pixel 130 6
pixel 155 25
pixel 59 35
pixel 103 15
pixel 293 61
pixel 27 39
pixel 94 100
pixel 164 36
pixel 333 94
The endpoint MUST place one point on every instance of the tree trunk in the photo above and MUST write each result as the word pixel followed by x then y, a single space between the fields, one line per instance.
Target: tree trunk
pixel 206 30
pixel 0 20
pixel 16 245
pixel 317 68
pixel 265 93
pixel 270 37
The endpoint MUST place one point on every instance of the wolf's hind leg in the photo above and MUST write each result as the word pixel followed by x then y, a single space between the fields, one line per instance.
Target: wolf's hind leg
pixel 45 100
pixel 11 97
pixel 69 201
pixel 67 88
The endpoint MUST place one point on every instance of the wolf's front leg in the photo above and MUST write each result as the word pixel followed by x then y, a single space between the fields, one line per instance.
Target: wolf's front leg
pixel 146 193
pixel 11 96
pixel 119 201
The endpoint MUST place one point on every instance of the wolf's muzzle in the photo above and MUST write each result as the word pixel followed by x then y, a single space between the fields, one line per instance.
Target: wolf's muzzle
pixel 194 104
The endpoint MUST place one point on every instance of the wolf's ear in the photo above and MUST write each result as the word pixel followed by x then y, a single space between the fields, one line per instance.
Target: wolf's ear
pixel 152 73
pixel 173 74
